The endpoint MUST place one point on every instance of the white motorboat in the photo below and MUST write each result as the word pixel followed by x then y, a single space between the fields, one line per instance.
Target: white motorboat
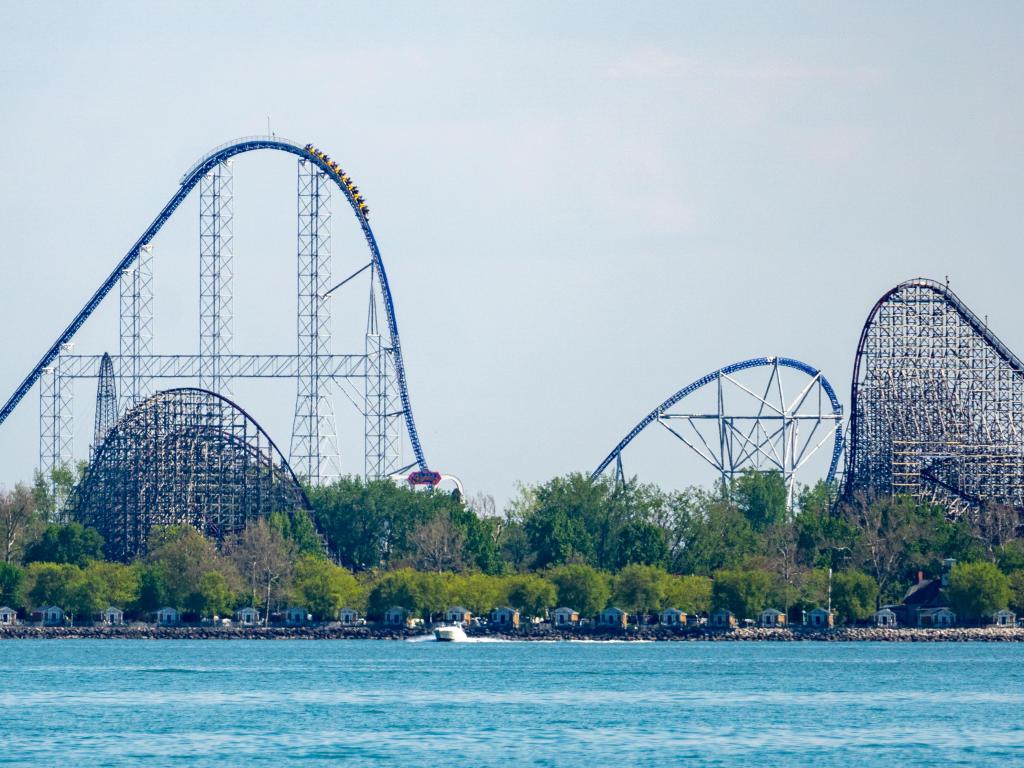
pixel 450 634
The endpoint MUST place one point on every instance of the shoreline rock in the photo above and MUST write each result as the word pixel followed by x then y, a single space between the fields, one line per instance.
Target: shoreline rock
pixel 528 634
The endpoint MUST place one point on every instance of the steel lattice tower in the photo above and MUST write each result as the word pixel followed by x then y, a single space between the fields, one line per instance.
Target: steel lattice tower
pixel 314 448
pixel 216 244
pixel 383 404
pixel 136 325
pixel 937 404
pixel 106 402
pixel 56 419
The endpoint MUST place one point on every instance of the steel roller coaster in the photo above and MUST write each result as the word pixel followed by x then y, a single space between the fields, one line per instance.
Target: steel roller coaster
pixel 937 400
pixel 750 425
pixel 383 398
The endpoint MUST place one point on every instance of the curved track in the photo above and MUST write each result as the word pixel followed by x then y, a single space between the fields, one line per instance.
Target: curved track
pixel 923 351
pixel 188 182
pixel 978 325
pixel 184 455
pixel 756 362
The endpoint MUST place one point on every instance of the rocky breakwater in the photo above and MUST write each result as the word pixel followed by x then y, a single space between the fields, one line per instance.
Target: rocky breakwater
pixel 764 634
pixel 151 632
pixel 538 633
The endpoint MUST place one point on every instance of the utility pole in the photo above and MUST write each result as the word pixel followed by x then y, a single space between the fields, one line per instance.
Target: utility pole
pixel 830 590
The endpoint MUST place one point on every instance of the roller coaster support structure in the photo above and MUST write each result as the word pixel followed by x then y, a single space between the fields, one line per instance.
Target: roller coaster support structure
pixel 382 397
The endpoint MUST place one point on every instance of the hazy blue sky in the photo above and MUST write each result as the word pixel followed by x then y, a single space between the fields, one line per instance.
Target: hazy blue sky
pixel 582 207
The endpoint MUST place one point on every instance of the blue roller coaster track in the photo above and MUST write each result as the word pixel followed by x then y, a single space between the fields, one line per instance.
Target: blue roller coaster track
pixel 785 362
pixel 188 182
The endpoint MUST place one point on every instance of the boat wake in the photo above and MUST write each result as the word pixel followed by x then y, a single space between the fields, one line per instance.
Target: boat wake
pixel 468 640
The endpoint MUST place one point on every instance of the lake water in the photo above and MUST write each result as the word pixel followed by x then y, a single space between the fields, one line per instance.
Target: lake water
pixel 205 703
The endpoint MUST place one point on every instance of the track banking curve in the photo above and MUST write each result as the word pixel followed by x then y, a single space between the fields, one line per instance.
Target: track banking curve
pixel 785 362
pixel 188 182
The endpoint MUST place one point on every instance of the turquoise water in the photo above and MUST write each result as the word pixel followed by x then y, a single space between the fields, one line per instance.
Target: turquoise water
pixel 204 703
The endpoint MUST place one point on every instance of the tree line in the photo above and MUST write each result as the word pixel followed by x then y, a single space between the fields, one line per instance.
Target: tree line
pixel 569 541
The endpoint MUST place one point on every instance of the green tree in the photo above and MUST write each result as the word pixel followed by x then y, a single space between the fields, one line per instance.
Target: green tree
pixel 265 558
pixel 643 543
pixel 639 588
pixel 185 556
pixel 323 587
pixel 12 586
pixel 813 589
pixel 70 543
pixel 512 539
pixel 715 536
pixel 120 582
pixel 630 524
pixel 399 587
pixel 532 595
pixel 761 497
pixel 854 595
pixel 899 536
pixel 1016 581
pixel 20 522
pixel 745 593
pixel 438 544
pixel 86 595
pixel 213 597
pixel 432 594
pixel 557 525
pixel 480 546
pixel 1010 556
pixel 298 528
pixel 977 590
pixel 52 492
pixel 514 545
pixel 368 523
pixel 687 593
pixel 479 592
pixel 48 583
pixel 819 533
pixel 581 587
pixel 153 590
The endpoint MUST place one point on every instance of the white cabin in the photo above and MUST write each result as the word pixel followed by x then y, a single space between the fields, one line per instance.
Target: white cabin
pixel 613 617
pixel 885 617
pixel 772 617
pixel 1003 618
pixel 458 615
pixel 564 617
pixel 113 616
pixel 820 617
pixel 168 617
pixel 348 615
pixel 247 616
pixel 672 617
pixel 51 616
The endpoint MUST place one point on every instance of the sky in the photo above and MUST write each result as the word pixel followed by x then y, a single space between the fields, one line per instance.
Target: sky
pixel 582 206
